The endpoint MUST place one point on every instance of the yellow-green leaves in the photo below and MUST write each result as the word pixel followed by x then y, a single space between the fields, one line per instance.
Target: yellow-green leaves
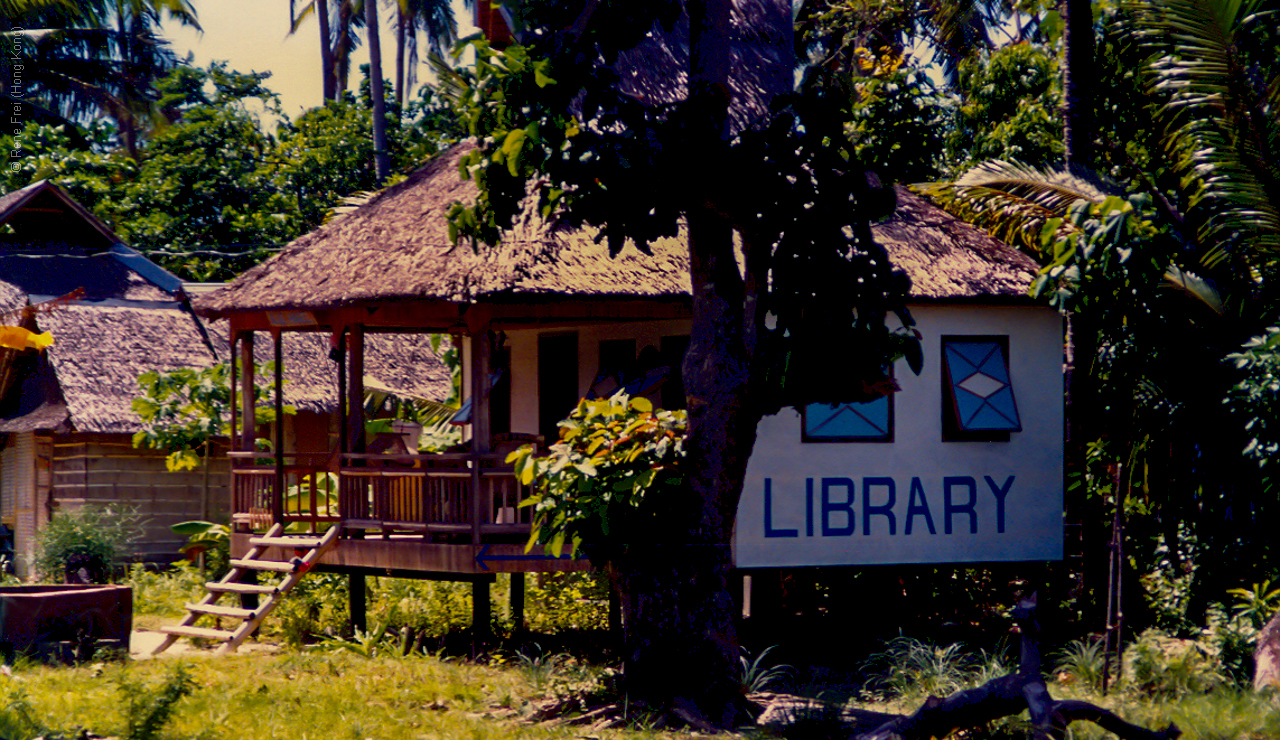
pixel 510 150
pixel 590 484
pixel 540 74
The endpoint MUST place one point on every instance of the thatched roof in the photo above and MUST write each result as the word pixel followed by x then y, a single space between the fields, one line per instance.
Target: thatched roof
pixel 948 258
pixel 402 362
pixel 99 352
pixel 131 320
pixel 397 248
pixel 89 377
pixel 43 212
pixel 11 297
pixel 761 60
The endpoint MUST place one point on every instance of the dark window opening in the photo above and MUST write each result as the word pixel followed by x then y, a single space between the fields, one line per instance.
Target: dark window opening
pixel 557 381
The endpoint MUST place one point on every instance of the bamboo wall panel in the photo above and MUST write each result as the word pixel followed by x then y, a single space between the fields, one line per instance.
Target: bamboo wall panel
pixel 106 470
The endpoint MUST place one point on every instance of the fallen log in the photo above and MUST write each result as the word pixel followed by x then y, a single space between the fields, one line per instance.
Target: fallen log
pixel 1006 696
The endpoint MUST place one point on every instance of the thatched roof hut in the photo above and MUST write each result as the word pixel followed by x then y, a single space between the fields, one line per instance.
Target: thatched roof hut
pixel 132 318
pixel 396 248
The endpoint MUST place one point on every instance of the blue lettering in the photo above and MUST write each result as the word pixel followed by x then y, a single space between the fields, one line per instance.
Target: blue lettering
pixel 885 510
pixel 950 508
pixel 769 531
pixel 808 507
pixel 921 509
pixel 999 492
pixel 829 506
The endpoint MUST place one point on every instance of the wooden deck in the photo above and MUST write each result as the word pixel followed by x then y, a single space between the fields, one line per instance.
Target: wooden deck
pixel 444 514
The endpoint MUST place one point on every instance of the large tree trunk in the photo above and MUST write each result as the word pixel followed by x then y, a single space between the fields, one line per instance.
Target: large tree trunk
pixel 328 75
pixel 1079 131
pixel 381 159
pixel 402 28
pixel 682 648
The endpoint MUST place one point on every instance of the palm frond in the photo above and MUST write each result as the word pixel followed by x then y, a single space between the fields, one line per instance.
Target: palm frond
pixel 1012 201
pixel 1220 87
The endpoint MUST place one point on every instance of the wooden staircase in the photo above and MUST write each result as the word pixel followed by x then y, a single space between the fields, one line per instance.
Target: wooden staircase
pixel 292 571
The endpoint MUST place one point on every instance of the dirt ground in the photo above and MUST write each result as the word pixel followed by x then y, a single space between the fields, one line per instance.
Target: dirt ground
pixel 142 642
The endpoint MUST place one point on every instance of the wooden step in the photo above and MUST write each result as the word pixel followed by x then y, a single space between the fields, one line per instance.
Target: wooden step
pixel 241 588
pixel 273 565
pixel 219 610
pixel 296 543
pixel 206 633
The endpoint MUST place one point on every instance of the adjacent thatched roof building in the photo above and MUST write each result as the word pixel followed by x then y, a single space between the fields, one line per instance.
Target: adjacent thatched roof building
pixel 404 363
pixel 397 248
pixel 132 317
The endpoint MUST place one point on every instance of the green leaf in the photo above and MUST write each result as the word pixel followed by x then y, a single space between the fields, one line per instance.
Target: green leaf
pixel 194 527
pixel 540 76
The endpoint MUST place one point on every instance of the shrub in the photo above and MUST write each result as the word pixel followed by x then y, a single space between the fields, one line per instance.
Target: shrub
pixel 147 710
pixel 1164 667
pixel 559 602
pixel 590 484
pixel 83 544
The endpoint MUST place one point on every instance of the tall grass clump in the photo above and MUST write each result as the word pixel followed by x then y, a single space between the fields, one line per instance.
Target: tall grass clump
pixel 910 668
pixel 147 710
pixel 162 592
pixel 1081 663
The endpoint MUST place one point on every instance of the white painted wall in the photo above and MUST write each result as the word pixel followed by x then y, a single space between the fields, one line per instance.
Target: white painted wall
pixel 1032 458
pixel 1027 468
pixel 524 359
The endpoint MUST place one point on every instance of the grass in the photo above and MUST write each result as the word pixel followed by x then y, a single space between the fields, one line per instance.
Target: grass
pixel 334 692
pixel 338 695
pixel 298 695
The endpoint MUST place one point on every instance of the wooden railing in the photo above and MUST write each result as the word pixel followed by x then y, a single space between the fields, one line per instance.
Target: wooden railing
pixel 448 494
pixel 460 495
pixel 310 490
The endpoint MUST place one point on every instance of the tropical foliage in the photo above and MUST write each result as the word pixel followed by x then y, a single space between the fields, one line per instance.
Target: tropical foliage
pixel 1171 286
pixel 69 62
pixel 589 486
pixel 215 191
pixel 187 409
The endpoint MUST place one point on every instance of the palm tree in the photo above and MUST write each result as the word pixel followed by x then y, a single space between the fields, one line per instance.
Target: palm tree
pixel 87 59
pixel 1212 81
pixel 328 79
pixel 433 17
pixel 1077 63
pixel 381 157
pixel 339 21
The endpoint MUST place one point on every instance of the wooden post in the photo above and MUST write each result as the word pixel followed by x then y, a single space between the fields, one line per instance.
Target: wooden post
pixel 479 610
pixel 517 602
pixel 343 438
pixel 248 430
pixel 277 501
pixel 356 602
pixel 481 351
pixel 235 409
pixel 355 389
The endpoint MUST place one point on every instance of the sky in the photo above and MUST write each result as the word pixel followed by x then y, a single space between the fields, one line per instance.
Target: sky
pixel 253 36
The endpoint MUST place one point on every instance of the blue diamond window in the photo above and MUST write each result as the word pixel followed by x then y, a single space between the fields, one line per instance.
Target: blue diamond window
pixel 870 421
pixel 976 374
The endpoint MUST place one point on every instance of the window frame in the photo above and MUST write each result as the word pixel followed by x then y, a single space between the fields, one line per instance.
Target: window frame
pixel 891 424
pixel 952 430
